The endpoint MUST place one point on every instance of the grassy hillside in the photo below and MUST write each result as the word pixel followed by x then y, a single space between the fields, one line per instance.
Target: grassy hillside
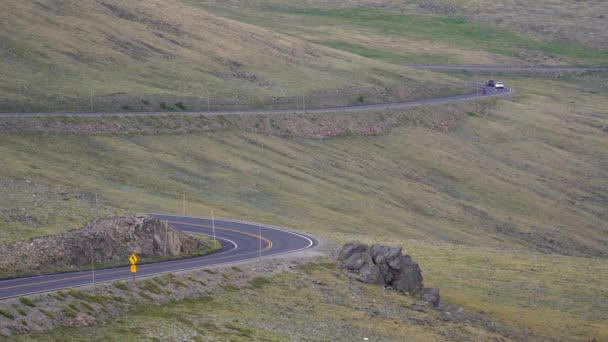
pixel 481 32
pixel 168 55
pixel 527 173
pixel 297 306
pixel 506 210
pixel 488 206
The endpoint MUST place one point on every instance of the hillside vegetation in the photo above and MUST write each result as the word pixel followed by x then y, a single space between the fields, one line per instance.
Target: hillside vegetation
pixel 505 189
pixel 435 31
pixel 514 175
pixel 502 202
pixel 170 56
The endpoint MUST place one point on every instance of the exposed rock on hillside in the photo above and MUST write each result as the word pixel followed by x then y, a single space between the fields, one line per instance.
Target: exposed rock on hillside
pixel 386 266
pixel 107 240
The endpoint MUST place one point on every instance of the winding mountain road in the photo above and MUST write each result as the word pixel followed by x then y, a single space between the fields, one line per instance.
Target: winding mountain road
pixel 240 242
pixel 359 108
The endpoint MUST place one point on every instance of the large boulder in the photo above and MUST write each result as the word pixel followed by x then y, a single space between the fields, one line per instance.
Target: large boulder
pixel 409 277
pixel 382 265
pixel 356 261
pixel 389 253
pixel 351 248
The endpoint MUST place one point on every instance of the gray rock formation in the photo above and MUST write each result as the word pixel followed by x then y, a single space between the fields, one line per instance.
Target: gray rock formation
pixel 386 266
pixel 430 296
pixel 104 240
pixel 381 265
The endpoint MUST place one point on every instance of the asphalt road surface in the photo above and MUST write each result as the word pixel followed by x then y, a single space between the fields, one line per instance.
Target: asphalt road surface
pixel 240 241
pixel 360 108
pixel 507 68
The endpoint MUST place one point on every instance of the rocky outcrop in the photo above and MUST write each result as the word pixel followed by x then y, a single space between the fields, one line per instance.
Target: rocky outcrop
pixel 106 240
pixel 386 266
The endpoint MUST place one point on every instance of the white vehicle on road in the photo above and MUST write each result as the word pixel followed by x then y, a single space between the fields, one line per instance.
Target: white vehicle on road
pixel 499 85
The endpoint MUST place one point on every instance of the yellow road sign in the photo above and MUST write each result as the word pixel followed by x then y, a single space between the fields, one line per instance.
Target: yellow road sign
pixel 133 268
pixel 133 259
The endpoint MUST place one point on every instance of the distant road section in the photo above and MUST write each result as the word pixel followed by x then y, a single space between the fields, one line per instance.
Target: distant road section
pixel 360 108
pixel 507 68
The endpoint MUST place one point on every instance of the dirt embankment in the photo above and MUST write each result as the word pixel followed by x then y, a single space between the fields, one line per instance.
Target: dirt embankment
pixel 310 125
pixel 107 241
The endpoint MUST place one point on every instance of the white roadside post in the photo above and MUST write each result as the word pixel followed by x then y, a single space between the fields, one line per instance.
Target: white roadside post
pixel 184 204
pixel 92 265
pixel 208 100
pixel 166 235
pixel 213 225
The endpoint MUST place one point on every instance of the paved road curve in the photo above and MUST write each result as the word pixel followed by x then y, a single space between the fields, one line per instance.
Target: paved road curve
pixel 240 241
pixel 360 108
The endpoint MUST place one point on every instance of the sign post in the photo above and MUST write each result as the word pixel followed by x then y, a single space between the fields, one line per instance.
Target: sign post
pixel 133 259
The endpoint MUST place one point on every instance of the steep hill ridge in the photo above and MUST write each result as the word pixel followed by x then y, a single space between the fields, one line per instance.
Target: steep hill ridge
pixel 167 55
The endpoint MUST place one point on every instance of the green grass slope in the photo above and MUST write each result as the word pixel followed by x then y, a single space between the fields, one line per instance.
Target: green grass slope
pixel 301 306
pixel 527 173
pixel 506 212
pixel 481 32
pixel 168 55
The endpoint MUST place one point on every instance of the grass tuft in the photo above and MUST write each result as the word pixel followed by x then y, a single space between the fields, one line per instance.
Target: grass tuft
pixel 259 282
pixel 121 286
pixel 48 314
pixel 27 301
pixel 6 313
pixel 69 311
pixel 145 295
pixel 229 288
pixel 152 287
